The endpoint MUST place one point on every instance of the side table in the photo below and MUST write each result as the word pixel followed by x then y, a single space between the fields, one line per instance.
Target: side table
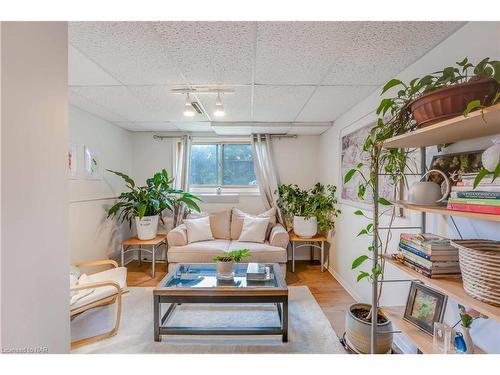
pixel 135 244
pixel 312 242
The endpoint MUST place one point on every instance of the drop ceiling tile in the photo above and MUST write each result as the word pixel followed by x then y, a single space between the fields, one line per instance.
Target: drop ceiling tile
pixel 299 52
pixel 329 102
pixel 210 52
pixel 163 105
pixel 308 129
pixel 279 103
pixel 117 99
pixel 129 51
pixel 236 105
pixel 84 72
pixel 92 107
pixel 194 126
pixel 380 50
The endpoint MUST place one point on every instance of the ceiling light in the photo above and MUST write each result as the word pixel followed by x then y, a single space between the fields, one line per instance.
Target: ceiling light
pixel 188 107
pixel 219 108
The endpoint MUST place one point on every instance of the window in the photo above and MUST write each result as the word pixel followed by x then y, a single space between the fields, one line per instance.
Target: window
pixel 225 165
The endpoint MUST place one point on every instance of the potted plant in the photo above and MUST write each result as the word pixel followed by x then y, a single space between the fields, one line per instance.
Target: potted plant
pixel 310 209
pixel 226 262
pixel 443 94
pixel 144 204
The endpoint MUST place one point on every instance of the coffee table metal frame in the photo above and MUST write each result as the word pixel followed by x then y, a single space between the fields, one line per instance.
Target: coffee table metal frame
pixel 176 296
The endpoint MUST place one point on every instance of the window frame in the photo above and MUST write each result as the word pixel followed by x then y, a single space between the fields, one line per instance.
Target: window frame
pixel 225 189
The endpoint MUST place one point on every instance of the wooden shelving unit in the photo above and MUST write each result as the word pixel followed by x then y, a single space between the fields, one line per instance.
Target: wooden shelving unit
pixel 442 210
pixel 420 339
pixel 453 288
pixel 453 130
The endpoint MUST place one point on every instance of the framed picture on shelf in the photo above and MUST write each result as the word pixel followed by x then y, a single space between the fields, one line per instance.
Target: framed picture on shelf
pixel 72 160
pixel 93 168
pixel 456 165
pixel 424 307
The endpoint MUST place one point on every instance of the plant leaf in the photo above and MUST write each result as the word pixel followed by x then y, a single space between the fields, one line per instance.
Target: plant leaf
pixel 358 212
pixel 472 106
pixel 482 173
pixel 496 172
pixel 362 275
pixel 390 84
pixel 349 175
pixel 384 201
pixel 359 261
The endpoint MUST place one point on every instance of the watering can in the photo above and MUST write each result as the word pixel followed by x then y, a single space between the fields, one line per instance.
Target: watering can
pixel 428 192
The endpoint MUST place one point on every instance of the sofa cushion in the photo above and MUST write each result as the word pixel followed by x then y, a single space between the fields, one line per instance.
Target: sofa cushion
pixel 220 223
pixel 261 252
pixel 254 229
pixel 237 221
pixel 198 252
pixel 118 275
pixel 198 229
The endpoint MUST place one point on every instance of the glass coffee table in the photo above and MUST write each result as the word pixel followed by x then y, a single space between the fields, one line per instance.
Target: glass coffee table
pixel 198 283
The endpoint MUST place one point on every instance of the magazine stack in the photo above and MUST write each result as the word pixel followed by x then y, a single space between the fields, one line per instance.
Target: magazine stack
pixel 485 198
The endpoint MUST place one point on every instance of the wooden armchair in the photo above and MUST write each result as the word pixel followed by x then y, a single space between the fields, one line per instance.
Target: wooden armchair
pixel 108 288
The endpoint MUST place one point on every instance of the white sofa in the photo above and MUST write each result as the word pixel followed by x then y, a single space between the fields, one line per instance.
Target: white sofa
pixel 226 229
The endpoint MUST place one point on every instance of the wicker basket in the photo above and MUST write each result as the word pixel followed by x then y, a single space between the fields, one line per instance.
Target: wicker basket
pixel 480 266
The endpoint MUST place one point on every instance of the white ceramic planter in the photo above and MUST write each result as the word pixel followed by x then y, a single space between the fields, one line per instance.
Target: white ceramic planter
pixel 358 333
pixel 147 227
pixel 303 227
pixel 225 270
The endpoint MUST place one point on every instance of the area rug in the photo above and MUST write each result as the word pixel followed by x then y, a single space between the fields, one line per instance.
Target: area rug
pixel 309 329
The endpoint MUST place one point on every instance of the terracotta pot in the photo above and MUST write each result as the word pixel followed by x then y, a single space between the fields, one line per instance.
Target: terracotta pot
pixel 449 102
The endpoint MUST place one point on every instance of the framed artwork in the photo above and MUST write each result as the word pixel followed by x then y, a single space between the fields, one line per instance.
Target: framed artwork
pixel 351 155
pixel 424 307
pixel 72 160
pixel 93 168
pixel 456 165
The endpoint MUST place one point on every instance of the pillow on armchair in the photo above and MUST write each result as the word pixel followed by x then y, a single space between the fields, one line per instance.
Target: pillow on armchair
pixel 238 217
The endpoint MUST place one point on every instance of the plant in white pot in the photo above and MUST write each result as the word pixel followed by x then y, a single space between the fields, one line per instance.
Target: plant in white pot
pixel 144 204
pixel 311 209
pixel 226 262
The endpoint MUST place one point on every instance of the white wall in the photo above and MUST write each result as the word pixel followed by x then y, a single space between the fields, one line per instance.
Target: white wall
pixel 474 40
pixel 35 254
pixel 92 236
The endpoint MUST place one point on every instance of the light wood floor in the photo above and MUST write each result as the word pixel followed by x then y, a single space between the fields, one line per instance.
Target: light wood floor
pixel 330 295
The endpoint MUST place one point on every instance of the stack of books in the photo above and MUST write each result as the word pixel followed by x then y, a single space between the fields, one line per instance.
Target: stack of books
pixel 485 198
pixel 428 254
pixel 257 272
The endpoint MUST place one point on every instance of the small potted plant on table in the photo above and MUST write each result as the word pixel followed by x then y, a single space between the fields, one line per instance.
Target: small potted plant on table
pixel 225 263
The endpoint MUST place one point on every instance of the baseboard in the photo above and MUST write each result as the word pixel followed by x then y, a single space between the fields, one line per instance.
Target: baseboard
pixel 344 284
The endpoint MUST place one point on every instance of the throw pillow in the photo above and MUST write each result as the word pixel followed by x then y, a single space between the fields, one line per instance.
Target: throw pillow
pixel 237 221
pixel 254 229
pixel 198 229
pixel 220 223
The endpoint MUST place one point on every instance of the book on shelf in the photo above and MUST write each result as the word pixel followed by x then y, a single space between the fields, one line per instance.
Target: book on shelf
pixel 474 208
pixel 457 188
pixel 475 194
pixel 428 274
pixel 445 263
pixel 426 242
pixel 478 201
pixel 484 182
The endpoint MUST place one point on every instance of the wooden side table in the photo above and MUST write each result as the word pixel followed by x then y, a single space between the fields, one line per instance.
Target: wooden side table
pixel 312 242
pixel 135 244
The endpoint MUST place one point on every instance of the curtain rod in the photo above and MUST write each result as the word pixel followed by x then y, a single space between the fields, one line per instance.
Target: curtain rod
pixel 225 136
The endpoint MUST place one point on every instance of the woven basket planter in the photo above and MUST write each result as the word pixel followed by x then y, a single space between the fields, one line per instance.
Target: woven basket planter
pixel 480 266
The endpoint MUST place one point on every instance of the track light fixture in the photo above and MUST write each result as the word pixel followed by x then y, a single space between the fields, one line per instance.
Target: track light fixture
pixel 219 108
pixel 188 107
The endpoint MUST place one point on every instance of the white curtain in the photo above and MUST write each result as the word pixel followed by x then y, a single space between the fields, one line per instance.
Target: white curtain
pixel 182 174
pixel 265 171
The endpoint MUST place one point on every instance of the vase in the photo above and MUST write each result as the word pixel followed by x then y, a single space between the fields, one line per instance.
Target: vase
pixel 147 227
pixel 225 270
pixel 305 227
pixel 468 340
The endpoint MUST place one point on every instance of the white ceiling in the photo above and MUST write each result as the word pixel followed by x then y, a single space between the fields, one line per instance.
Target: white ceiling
pixel 298 75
